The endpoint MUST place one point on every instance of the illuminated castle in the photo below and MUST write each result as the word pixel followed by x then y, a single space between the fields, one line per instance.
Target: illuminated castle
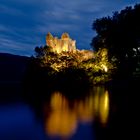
pixel 65 44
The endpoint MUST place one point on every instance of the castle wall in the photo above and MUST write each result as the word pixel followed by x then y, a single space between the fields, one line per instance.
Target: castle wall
pixel 58 45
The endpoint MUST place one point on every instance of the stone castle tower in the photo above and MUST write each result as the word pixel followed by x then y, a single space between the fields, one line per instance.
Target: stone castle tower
pixel 64 44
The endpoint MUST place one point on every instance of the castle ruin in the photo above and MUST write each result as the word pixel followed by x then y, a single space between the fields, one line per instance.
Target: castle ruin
pixel 65 44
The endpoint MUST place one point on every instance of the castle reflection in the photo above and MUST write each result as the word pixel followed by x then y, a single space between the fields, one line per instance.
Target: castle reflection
pixel 65 115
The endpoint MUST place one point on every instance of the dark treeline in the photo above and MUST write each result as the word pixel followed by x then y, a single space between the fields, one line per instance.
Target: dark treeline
pixel 120 34
pixel 40 78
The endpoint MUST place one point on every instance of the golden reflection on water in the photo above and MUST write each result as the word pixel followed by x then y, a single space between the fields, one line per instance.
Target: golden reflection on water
pixel 104 107
pixel 63 120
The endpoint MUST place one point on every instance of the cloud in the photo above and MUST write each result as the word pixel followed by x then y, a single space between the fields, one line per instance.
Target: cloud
pixel 24 23
pixel 12 40
pixel 3 28
pixel 8 45
pixel 75 17
pixel 4 9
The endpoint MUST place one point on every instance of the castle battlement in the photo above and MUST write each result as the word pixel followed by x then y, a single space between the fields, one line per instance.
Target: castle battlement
pixel 65 43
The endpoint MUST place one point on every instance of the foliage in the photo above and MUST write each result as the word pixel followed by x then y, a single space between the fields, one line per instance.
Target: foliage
pixel 96 69
pixel 120 35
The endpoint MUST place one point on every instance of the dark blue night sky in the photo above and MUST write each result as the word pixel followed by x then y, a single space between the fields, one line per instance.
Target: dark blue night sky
pixel 24 23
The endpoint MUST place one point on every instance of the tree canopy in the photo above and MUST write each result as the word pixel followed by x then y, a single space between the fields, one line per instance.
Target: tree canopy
pixel 120 34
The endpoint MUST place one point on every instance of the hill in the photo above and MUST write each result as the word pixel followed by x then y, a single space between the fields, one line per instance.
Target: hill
pixel 12 67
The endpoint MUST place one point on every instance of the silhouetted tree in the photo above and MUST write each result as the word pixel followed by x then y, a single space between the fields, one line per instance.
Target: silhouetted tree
pixel 120 34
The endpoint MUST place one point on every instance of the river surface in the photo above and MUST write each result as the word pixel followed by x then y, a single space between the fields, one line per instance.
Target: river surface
pixel 99 114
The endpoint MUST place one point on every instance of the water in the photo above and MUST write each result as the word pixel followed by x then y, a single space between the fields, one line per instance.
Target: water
pixel 73 119
pixel 96 115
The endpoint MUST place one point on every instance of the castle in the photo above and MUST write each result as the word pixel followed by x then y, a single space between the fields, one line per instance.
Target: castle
pixel 65 44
